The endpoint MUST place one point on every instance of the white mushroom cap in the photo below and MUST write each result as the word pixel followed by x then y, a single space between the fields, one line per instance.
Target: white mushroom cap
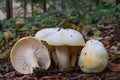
pixel 29 53
pixel 60 36
pixel 93 58
pixel 93 41
pixel 61 39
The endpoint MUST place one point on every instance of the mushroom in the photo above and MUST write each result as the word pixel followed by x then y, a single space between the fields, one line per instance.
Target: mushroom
pixel 93 57
pixel 29 53
pixel 64 41
pixel 93 41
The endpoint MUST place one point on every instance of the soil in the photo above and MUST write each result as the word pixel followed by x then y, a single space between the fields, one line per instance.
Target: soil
pixel 110 38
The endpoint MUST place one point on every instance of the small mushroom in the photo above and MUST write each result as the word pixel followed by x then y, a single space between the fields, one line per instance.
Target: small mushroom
pixel 93 41
pixel 64 41
pixel 29 53
pixel 93 57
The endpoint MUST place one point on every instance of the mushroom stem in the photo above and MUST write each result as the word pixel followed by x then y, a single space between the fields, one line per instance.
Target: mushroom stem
pixel 62 53
pixel 73 59
pixel 74 50
pixel 32 61
pixel 54 56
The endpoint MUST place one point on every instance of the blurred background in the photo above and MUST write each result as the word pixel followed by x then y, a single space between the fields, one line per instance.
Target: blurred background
pixel 28 16
pixel 26 8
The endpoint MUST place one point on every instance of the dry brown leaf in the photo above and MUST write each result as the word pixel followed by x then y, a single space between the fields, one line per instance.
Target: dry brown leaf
pixel 114 67
pixel 106 42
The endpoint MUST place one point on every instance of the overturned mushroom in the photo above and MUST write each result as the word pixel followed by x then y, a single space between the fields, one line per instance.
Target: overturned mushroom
pixel 93 57
pixel 29 53
pixel 64 41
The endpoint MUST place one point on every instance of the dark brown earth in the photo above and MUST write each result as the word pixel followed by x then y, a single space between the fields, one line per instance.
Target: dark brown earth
pixel 110 36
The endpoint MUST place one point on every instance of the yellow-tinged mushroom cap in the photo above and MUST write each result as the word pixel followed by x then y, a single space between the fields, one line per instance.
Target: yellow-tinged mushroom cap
pixel 29 53
pixel 93 58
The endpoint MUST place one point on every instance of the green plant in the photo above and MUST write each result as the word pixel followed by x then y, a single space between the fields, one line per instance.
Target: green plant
pixel 31 21
pixel 1 36
pixel 117 13
pixel 101 14
pixel 51 19
pixel 9 23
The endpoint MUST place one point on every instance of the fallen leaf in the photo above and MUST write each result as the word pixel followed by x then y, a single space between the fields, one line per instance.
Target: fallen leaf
pixel 19 26
pixel 117 53
pixel 108 38
pixel 5 55
pixel 106 43
pixel 51 77
pixel 113 49
pixel 7 35
pixel 97 32
pixel 111 29
pixel 114 67
pixel 80 27
pixel 97 38
pixel 10 74
pixel 118 44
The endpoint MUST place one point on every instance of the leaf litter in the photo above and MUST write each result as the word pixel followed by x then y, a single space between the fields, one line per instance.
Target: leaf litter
pixel 110 38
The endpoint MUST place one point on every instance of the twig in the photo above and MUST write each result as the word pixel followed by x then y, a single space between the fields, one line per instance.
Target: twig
pixel 62 23
pixel 50 77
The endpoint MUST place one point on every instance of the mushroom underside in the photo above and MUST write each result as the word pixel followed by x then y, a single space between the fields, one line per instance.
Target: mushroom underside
pixel 27 54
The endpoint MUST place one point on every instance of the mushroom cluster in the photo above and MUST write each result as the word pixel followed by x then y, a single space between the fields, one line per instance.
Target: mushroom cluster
pixel 64 46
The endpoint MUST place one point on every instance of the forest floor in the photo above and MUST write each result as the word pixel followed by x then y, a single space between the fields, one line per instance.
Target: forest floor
pixel 109 36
